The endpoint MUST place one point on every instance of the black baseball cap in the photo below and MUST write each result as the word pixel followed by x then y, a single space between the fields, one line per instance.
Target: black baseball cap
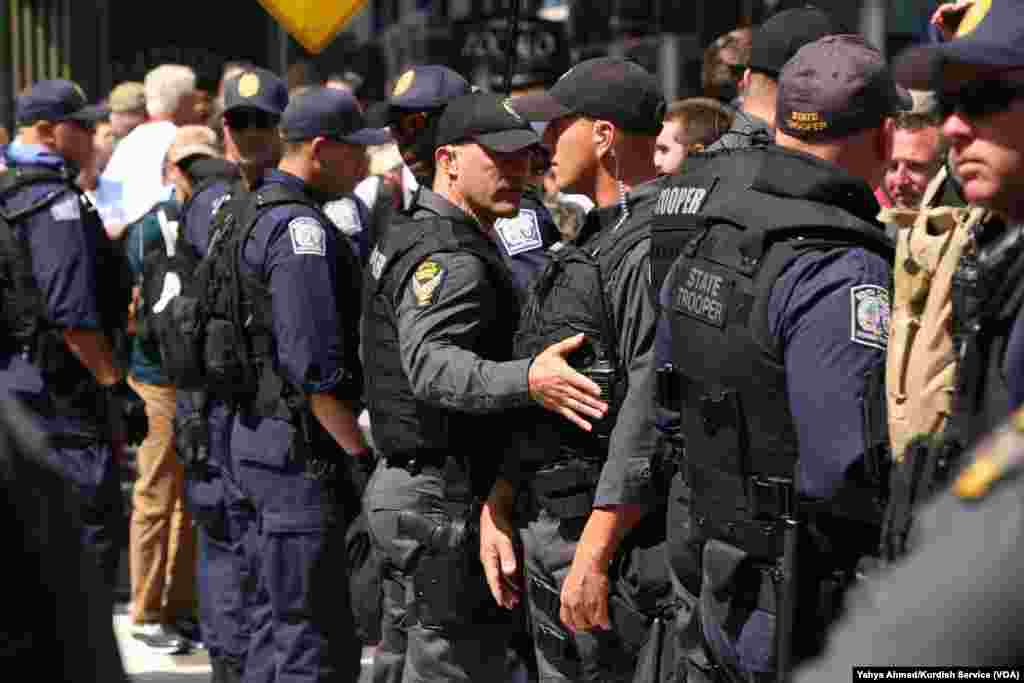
pixel 256 88
pixel 989 39
pixel 56 100
pixel 776 40
pixel 421 88
pixel 486 119
pixel 330 113
pixel 606 88
pixel 836 86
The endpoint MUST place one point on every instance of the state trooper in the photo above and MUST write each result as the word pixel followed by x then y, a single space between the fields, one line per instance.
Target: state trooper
pixel 775 319
pixel 297 380
pixel 441 312
pixel 65 295
pixel 412 111
pixel 254 100
pixel 955 599
pixel 587 492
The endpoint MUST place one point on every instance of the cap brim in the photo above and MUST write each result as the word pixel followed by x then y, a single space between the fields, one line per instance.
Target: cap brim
pixel 369 136
pixel 254 106
pixel 183 153
pixel 90 114
pixel 540 106
pixel 508 141
pixel 922 68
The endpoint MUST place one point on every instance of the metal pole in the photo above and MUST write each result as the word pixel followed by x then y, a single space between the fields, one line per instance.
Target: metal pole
pixel 512 49
pixel 873 14
pixel 6 69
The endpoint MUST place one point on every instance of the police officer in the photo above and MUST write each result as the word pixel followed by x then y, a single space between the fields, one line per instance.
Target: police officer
pixel 254 100
pixel 412 113
pixel 299 280
pixel 774 42
pixel 66 294
pixel 776 313
pixel 588 492
pixel 441 314
pixel 955 599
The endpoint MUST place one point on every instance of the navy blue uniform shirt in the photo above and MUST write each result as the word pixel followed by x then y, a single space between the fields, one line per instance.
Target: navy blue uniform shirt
pixel 524 240
pixel 199 214
pixel 63 249
pixel 294 252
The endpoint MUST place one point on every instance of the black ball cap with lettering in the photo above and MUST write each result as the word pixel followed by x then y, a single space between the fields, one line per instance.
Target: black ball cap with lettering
pixel 834 87
pixel 605 88
pixel 487 119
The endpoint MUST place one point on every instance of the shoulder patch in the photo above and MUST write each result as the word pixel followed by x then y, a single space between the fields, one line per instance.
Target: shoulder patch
pixel 308 236
pixel 869 316
pixel 521 233
pixel 344 215
pixel 66 209
pixel 377 261
pixel 426 281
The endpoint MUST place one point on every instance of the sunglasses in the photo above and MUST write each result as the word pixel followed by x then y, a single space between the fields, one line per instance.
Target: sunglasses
pixel 240 119
pixel 980 99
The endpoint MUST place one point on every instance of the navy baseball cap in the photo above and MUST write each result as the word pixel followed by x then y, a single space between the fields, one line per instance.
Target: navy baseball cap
pixel 256 88
pixel 421 88
pixel 834 87
pixel 776 40
pixel 989 40
pixel 56 100
pixel 486 119
pixel 606 88
pixel 331 113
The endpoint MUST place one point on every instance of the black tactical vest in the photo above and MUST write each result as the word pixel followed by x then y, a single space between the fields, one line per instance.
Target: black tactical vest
pixel 402 425
pixel 740 435
pixel 571 297
pixel 988 290
pixel 24 320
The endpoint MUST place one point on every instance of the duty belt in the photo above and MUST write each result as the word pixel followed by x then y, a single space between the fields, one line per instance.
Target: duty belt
pixel 416 461
pixel 457 486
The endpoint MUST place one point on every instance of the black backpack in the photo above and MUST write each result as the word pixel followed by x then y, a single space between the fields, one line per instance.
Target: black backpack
pixel 205 343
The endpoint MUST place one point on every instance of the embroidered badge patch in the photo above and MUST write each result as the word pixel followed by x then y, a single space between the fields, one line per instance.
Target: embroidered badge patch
pixel 426 282
pixel 66 210
pixel 344 215
pixel 521 233
pixel 376 262
pixel 704 296
pixel 307 236
pixel 869 316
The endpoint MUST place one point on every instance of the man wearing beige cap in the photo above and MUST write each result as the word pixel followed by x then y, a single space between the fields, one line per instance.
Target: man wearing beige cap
pixel 127 103
pixel 162 548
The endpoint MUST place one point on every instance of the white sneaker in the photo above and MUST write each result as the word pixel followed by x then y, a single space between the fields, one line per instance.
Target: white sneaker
pixel 160 639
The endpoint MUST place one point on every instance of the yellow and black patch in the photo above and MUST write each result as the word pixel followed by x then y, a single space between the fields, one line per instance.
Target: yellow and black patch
pixel 996 458
pixel 426 282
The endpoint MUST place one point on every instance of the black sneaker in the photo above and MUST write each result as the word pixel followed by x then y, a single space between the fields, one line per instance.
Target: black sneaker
pixel 189 630
pixel 159 638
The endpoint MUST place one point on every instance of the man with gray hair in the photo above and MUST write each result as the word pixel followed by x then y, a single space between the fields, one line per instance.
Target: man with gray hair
pixel 138 160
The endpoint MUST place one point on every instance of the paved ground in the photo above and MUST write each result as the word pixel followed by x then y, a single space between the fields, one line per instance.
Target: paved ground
pixel 145 666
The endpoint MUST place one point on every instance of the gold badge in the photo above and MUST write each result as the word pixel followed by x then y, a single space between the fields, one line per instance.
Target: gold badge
pixel 426 281
pixel 507 103
pixel 404 83
pixel 973 17
pixel 78 89
pixel 995 457
pixel 248 85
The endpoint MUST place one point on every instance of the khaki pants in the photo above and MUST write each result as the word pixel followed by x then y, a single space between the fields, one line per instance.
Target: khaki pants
pixel 162 544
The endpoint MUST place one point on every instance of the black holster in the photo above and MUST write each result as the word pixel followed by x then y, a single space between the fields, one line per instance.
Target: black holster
pixel 567 489
pixel 448 580
pixel 192 436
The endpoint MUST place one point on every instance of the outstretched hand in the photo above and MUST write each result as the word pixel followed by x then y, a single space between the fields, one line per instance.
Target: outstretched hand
pixel 558 387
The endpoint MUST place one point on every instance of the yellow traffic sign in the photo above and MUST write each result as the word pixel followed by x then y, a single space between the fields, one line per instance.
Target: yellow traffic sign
pixel 314 23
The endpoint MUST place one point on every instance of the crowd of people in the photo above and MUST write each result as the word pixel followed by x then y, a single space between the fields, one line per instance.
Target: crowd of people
pixel 562 384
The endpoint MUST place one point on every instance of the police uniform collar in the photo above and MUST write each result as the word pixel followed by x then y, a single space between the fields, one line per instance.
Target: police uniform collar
pixel 789 173
pixel 603 217
pixel 433 202
pixel 276 175
pixel 21 154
